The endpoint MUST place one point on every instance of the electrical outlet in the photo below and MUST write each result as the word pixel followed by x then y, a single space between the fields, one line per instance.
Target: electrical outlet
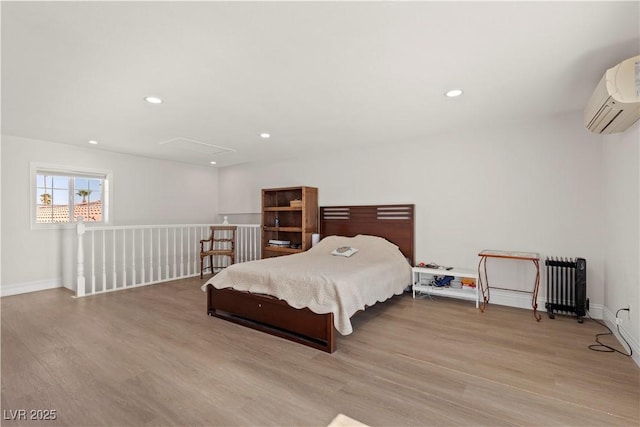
pixel 618 321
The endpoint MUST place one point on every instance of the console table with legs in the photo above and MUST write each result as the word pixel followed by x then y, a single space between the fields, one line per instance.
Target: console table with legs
pixel 483 280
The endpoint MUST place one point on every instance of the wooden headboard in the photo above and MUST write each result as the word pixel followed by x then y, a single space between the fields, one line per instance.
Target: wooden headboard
pixel 393 222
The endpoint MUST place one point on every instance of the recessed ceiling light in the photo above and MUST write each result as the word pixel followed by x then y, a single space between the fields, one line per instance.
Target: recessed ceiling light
pixel 265 135
pixel 153 100
pixel 93 142
pixel 213 163
pixel 453 93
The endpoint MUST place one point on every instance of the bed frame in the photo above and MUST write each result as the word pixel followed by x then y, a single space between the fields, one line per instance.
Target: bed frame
pixel 274 316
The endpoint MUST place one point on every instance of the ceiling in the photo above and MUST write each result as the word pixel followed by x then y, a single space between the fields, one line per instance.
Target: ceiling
pixel 317 76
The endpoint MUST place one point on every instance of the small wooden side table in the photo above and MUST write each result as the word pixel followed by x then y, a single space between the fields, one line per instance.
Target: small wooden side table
pixel 483 280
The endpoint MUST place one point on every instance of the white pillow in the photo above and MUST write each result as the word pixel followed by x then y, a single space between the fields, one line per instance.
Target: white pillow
pixel 345 251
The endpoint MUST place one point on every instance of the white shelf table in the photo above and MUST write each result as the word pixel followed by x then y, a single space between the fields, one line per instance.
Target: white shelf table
pixel 462 293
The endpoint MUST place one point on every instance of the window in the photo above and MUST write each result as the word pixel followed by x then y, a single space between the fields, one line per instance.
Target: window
pixel 62 195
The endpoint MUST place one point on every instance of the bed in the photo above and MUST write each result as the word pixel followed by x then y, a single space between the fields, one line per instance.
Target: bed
pixel 251 293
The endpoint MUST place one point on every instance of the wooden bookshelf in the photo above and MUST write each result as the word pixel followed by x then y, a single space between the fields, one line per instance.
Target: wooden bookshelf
pixel 295 224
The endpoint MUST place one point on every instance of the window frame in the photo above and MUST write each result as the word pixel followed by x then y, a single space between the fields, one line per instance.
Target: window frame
pixel 37 168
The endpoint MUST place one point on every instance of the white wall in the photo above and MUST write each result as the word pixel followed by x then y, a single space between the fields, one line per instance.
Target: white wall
pixel 144 191
pixel 1 212
pixel 621 153
pixel 532 186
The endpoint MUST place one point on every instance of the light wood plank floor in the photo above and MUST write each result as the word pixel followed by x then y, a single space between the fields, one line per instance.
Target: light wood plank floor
pixel 151 356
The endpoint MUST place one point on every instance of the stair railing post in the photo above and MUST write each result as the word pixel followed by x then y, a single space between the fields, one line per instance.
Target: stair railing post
pixel 80 282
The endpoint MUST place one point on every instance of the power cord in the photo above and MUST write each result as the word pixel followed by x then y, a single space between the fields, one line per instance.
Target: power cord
pixel 604 347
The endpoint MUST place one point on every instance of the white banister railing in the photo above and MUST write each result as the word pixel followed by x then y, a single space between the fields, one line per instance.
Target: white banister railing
pixel 123 257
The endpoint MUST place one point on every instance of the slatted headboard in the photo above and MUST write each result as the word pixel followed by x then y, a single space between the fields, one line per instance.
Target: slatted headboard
pixel 393 222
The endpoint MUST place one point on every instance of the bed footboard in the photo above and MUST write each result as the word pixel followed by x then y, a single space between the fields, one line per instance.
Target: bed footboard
pixel 273 316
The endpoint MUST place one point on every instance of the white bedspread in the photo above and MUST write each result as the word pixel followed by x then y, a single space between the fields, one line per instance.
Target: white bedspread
pixel 323 282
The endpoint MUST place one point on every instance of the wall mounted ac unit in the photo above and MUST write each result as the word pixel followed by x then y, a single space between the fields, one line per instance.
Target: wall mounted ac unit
pixel 615 104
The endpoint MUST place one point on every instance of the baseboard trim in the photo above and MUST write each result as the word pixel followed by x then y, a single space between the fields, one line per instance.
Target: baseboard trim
pixel 26 287
pixel 523 300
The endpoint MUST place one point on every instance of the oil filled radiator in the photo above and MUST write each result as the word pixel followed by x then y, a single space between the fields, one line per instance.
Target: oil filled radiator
pixel 567 287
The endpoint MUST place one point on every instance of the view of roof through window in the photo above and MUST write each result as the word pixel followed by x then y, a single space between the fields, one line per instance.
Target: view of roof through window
pixel 55 194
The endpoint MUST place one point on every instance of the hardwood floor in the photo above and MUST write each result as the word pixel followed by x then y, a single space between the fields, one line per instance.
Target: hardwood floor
pixel 151 356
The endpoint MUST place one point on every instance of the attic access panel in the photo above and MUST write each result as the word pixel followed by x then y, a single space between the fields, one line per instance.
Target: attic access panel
pixel 183 145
